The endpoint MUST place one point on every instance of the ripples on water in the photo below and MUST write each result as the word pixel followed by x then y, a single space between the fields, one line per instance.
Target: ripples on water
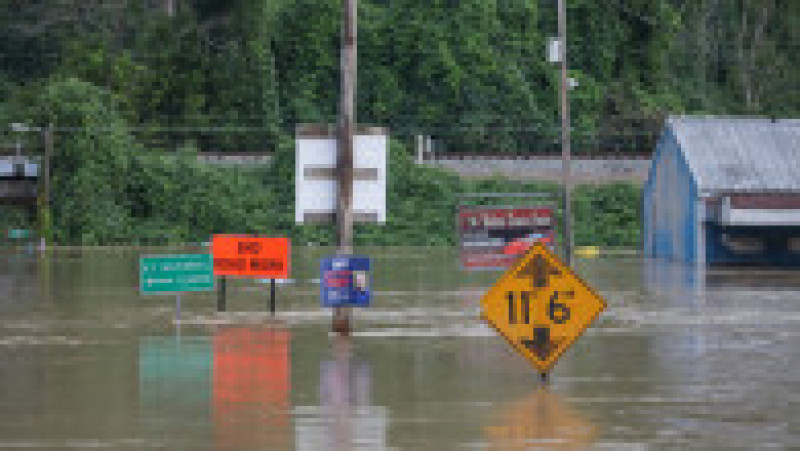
pixel 680 358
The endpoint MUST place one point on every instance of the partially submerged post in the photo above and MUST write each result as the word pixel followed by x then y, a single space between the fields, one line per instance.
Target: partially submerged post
pixel 221 293
pixel 272 296
pixel 178 314
pixel 344 160
pixel 46 214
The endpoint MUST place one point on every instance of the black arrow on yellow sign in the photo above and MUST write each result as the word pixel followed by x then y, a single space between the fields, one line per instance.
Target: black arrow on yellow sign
pixel 541 345
pixel 539 271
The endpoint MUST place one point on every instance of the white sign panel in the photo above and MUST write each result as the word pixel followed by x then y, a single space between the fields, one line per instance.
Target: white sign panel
pixel 554 50
pixel 316 184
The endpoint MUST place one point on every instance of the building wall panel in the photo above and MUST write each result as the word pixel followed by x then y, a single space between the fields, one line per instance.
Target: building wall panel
pixel 670 204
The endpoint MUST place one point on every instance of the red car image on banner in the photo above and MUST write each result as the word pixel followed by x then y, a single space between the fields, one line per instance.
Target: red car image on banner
pixel 520 245
pixel 494 237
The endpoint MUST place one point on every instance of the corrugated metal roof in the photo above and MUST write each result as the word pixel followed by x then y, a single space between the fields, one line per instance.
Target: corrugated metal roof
pixel 740 154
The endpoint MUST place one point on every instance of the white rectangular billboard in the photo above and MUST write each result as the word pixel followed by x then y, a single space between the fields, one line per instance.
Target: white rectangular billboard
pixel 315 175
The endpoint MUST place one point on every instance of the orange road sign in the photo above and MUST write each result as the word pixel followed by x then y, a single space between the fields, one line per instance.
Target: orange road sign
pixel 251 256
pixel 541 307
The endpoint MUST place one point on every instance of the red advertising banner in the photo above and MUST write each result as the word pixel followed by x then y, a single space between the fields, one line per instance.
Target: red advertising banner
pixel 251 256
pixel 494 237
pixel 476 218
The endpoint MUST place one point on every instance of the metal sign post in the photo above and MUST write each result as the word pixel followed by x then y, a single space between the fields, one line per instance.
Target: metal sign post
pixel 222 302
pixel 565 128
pixel 272 296
pixel 47 212
pixel 178 314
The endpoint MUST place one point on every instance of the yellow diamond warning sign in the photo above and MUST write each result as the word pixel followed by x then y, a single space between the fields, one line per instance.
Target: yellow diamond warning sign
pixel 541 307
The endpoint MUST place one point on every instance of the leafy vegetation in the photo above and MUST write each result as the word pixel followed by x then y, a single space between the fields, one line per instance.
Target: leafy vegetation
pixel 173 199
pixel 471 73
pixel 135 91
pixel 607 215
pixel 15 217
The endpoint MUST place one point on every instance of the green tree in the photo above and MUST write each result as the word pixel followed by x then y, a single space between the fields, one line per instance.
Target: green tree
pixel 89 203
pixel 243 74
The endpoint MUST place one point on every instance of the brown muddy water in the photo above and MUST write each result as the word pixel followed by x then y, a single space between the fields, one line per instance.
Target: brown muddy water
pixel 681 358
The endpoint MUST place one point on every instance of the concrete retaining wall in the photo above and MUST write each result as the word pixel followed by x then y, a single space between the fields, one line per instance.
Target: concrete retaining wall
pixel 583 170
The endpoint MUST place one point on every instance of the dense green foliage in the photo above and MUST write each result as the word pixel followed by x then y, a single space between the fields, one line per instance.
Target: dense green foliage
pixel 108 189
pixel 15 217
pixel 607 215
pixel 472 73
pixel 176 200
pixel 133 92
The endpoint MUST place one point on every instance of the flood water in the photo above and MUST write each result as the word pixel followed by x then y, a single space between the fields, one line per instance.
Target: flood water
pixel 679 359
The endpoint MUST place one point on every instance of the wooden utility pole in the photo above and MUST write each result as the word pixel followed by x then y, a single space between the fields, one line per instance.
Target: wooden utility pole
pixel 344 161
pixel 565 128
pixel 46 216
pixel 169 7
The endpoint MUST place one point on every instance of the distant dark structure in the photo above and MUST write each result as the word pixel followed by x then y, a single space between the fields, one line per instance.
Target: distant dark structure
pixel 725 190
pixel 18 179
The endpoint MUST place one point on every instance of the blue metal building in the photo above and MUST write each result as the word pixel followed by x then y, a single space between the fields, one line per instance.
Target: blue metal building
pixel 725 190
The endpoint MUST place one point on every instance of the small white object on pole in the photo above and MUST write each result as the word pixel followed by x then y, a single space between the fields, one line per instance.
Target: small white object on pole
pixel 554 50
pixel 572 83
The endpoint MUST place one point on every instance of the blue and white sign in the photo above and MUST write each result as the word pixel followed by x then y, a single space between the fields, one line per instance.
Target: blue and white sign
pixel 345 281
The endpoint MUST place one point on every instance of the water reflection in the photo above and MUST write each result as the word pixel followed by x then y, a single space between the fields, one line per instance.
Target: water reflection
pixel 251 388
pixel 541 419
pixel 705 362
pixel 175 386
pixel 234 385
pixel 18 283
pixel 723 338
pixel 681 284
pixel 345 418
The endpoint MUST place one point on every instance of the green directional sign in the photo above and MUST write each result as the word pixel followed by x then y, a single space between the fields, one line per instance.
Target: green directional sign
pixel 176 273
